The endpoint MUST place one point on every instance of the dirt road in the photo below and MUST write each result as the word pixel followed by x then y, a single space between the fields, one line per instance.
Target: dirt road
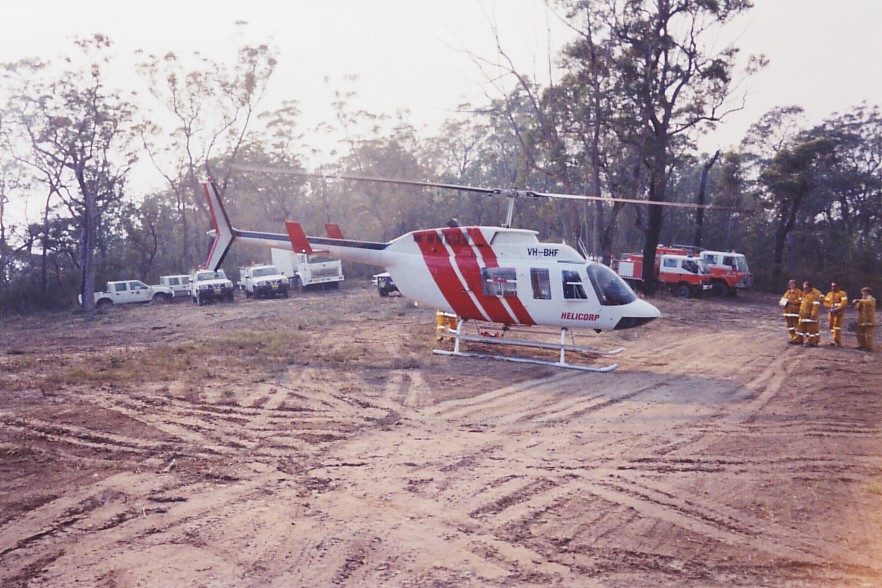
pixel 316 441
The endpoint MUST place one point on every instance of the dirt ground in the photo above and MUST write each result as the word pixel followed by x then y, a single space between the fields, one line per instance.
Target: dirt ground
pixel 317 441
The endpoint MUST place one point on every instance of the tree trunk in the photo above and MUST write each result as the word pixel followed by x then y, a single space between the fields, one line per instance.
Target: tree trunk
pixel 702 189
pixel 657 186
pixel 90 220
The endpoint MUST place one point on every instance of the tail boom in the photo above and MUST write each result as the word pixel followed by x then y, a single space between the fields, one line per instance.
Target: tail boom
pixel 366 252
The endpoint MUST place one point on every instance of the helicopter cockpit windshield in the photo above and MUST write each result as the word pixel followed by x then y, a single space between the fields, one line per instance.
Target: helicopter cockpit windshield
pixel 611 290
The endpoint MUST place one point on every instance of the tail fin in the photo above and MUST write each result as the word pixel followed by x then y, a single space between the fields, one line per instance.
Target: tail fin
pixel 299 242
pixel 334 231
pixel 224 233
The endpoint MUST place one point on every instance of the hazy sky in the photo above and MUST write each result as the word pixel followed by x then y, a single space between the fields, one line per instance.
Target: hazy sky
pixel 412 53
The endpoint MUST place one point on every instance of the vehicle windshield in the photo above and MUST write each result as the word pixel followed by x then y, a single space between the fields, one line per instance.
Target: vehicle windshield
pixel 741 264
pixel 695 266
pixel 610 288
pixel 264 271
pixel 202 276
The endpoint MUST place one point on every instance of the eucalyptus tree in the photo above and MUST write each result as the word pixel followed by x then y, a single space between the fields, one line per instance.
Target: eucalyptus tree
pixel 79 135
pixel 791 177
pixel 853 209
pixel 670 84
pixel 208 108
pixel 640 81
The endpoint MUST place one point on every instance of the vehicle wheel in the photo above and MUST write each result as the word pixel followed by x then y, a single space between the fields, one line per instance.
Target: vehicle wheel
pixel 683 291
pixel 199 300
pixel 104 303
pixel 720 289
pixel 383 292
pixel 335 285
pixel 161 298
pixel 230 296
pixel 300 286
pixel 733 292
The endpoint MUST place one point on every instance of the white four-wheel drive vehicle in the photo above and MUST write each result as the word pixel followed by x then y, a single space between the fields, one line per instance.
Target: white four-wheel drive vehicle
pixel 262 280
pixel 180 284
pixel 206 285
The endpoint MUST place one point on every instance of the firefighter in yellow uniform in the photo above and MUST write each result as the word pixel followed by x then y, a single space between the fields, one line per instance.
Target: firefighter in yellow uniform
pixel 445 324
pixel 809 310
pixel 836 300
pixel 866 307
pixel 790 303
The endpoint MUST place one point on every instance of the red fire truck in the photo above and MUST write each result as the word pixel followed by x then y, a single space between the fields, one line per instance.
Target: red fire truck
pixel 685 275
pixel 729 271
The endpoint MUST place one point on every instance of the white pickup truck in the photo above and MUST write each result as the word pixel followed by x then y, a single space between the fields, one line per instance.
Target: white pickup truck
pixel 128 291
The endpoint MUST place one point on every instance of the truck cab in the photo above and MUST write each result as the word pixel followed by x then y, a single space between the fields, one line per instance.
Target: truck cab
pixel 685 275
pixel 308 271
pixel 729 272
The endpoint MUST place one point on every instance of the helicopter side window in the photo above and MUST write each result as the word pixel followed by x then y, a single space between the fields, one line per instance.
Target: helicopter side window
pixel 541 283
pixel 572 285
pixel 499 281
pixel 610 288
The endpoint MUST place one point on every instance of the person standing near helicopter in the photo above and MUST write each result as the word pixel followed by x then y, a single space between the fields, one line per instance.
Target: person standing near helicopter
pixel 836 300
pixel 790 302
pixel 809 310
pixel 866 307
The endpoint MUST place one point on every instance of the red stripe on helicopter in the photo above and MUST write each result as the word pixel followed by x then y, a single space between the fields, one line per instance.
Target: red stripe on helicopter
pixel 489 256
pixel 466 260
pixel 440 267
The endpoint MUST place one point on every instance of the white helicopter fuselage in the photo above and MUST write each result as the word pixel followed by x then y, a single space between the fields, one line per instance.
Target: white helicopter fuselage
pixel 492 274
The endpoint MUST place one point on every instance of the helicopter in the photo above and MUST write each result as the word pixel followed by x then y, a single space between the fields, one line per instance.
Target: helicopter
pixel 486 274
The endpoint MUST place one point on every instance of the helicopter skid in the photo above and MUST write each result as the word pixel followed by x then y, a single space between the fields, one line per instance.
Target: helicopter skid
pixel 534 344
pixel 562 347
pixel 571 366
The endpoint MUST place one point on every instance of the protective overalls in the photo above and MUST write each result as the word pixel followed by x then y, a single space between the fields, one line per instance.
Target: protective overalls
pixel 866 308
pixel 836 301
pixel 790 303
pixel 445 323
pixel 809 310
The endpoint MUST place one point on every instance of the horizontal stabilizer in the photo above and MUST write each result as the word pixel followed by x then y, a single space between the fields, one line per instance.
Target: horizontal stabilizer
pixel 334 231
pixel 299 242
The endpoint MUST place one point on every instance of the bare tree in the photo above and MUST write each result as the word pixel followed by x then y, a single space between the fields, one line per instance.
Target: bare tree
pixel 79 137
pixel 207 113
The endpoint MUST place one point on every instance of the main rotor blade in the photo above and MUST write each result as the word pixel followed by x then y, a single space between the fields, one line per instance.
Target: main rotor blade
pixel 497 191
pixel 290 172
pixel 628 200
